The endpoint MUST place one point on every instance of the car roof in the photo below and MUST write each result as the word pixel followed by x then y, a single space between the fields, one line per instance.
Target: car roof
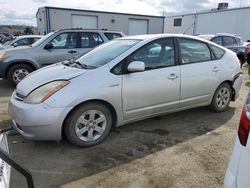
pixel 29 36
pixel 89 30
pixel 155 36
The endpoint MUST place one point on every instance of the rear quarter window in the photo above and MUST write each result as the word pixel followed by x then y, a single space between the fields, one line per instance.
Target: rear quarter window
pixel 112 36
pixel 218 52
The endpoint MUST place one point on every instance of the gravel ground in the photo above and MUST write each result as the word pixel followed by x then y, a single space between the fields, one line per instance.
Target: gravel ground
pixel 184 149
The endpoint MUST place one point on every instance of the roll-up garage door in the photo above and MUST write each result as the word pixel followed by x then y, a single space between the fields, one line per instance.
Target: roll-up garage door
pixel 85 22
pixel 138 26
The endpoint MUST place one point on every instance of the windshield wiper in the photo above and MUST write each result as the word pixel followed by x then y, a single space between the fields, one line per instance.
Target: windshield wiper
pixel 84 66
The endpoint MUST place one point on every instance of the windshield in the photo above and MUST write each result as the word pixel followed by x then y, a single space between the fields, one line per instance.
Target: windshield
pixel 8 42
pixel 41 40
pixel 106 52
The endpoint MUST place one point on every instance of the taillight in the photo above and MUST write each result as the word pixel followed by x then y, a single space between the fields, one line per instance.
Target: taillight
pixel 244 126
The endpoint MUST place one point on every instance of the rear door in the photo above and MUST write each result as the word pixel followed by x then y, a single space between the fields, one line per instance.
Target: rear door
pixel 64 47
pixel 200 72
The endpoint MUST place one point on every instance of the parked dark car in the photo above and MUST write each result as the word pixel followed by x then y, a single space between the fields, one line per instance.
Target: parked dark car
pixel 230 41
pixel 4 37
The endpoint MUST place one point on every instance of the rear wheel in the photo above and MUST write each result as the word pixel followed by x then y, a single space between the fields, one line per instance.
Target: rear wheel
pixel 18 72
pixel 88 125
pixel 222 98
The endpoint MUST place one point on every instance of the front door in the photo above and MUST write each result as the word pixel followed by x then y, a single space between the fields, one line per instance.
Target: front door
pixel 156 90
pixel 64 47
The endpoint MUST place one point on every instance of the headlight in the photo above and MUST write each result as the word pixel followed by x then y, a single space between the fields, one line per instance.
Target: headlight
pixel 43 92
pixel 2 56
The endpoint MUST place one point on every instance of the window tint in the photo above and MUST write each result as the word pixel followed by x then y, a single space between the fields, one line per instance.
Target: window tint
pixel 217 40
pixel 218 52
pixel 90 40
pixel 159 53
pixel 228 41
pixel 64 41
pixel 112 36
pixel 194 51
pixel 177 22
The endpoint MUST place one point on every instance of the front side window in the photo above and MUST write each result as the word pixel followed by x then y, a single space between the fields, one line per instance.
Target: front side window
pixel 157 54
pixel 193 51
pixel 217 40
pixel 90 40
pixel 65 41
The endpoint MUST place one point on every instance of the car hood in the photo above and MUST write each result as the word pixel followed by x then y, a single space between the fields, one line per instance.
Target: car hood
pixel 46 75
pixel 19 48
pixel 5 47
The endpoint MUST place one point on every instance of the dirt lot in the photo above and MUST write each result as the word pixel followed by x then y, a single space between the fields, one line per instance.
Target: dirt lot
pixel 185 149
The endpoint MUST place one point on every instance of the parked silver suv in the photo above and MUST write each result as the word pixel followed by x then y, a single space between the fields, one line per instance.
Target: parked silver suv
pixel 56 46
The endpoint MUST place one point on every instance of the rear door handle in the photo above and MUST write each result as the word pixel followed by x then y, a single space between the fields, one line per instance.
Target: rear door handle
pixel 72 51
pixel 172 76
pixel 216 69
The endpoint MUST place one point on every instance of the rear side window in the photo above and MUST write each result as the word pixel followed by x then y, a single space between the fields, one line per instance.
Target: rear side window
pixel 193 51
pixel 217 40
pixel 218 52
pixel 112 36
pixel 227 41
pixel 23 42
pixel 90 40
pixel 239 41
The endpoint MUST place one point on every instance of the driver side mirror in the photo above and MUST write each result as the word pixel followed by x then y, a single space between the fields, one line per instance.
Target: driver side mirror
pixel 15 44
pixel 136 66
pixel 48 46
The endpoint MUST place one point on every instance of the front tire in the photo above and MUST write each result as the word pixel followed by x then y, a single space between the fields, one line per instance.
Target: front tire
pixel 88 125
pixel 18 72
pixel 222 98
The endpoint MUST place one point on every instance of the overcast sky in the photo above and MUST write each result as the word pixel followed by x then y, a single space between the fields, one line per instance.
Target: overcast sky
pixel 23 11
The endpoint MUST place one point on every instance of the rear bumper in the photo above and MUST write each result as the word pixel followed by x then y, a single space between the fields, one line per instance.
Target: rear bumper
pixel 237 85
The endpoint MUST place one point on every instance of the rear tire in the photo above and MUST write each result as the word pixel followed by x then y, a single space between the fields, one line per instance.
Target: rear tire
pixel 18 72
pixel 222 98
pixel 88 125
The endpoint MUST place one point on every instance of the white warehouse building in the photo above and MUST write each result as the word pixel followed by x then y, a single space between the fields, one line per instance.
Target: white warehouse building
pixel 220 20
pixel 54 18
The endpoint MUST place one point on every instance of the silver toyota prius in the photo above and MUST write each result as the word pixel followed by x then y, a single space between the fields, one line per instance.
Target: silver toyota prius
pixel 123 81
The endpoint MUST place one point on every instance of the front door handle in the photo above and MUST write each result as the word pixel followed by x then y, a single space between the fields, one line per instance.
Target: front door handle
pixel 172 76
pixel 216 69
pixel 72 51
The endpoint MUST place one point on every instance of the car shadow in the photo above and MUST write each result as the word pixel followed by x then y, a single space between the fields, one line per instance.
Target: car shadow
pixel 5 88
pixel 247 84
pixel 53 164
